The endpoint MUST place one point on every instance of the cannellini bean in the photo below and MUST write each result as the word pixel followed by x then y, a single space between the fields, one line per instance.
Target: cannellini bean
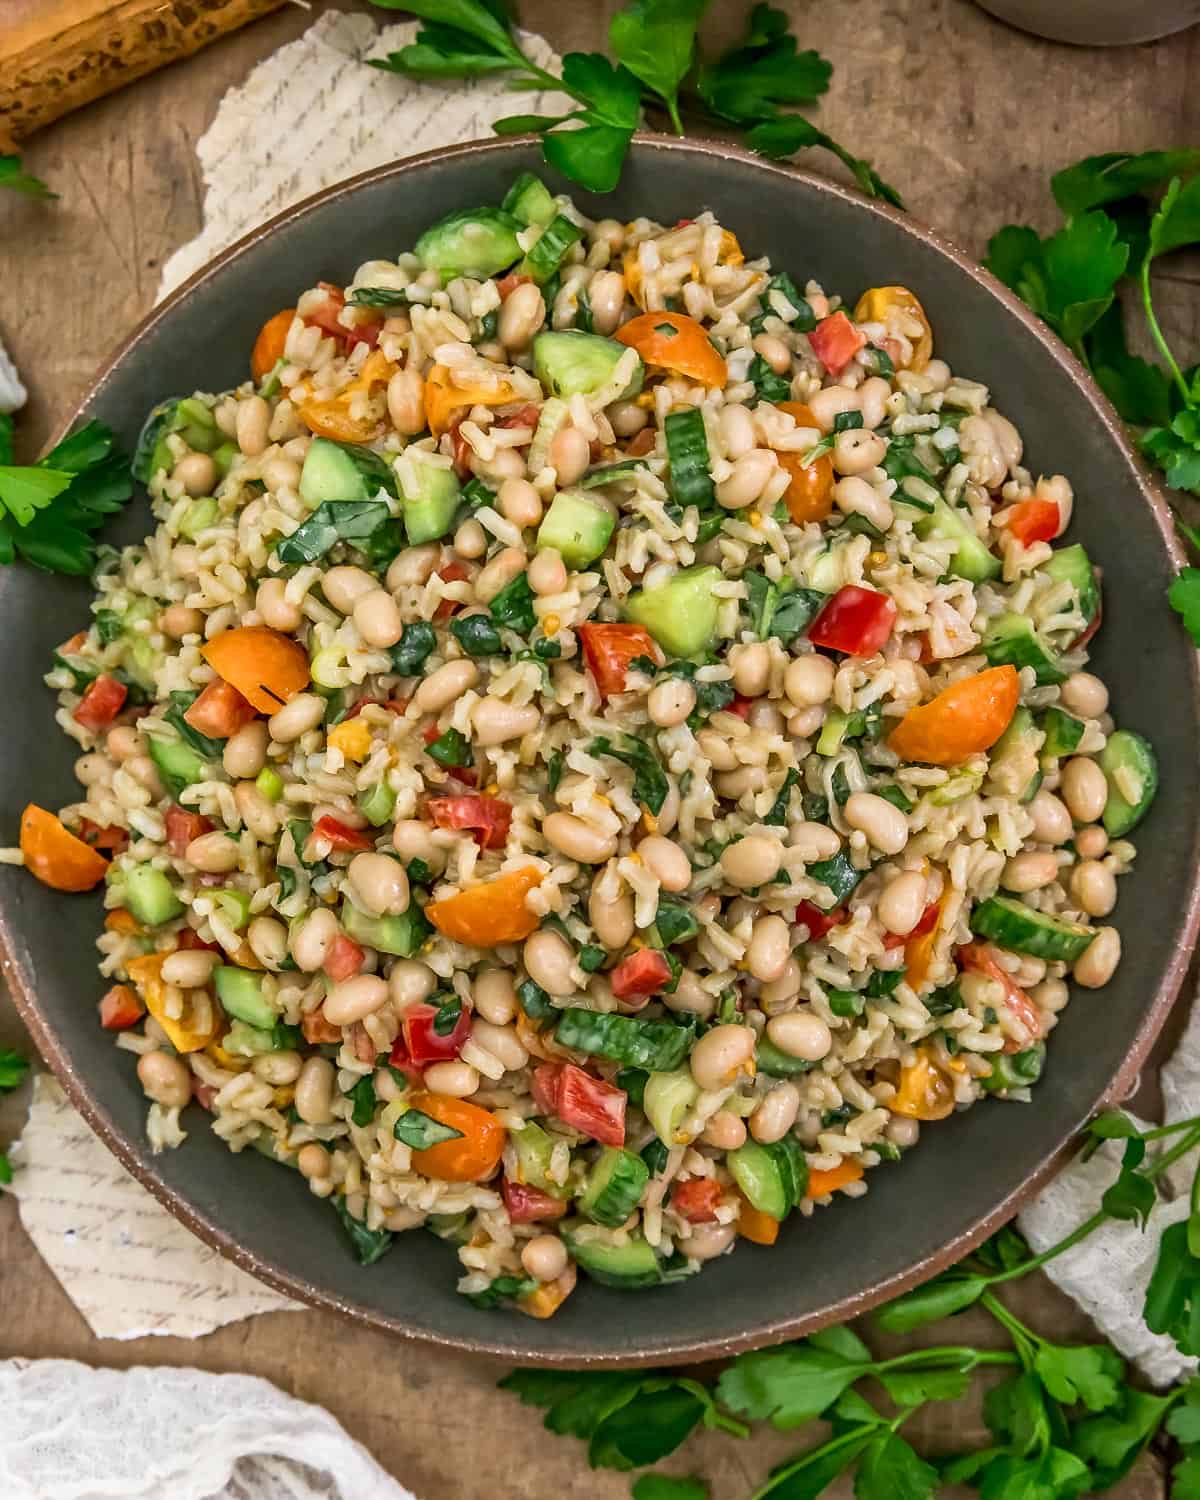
pixel 1084 789
pixel 606 298
pixel 189 968
pixel 903 1132
pixel 1051 820
pixel 413 839
pixel 721 1054
pixel 578 840
pixel 776 1115
pixel 501 1041
pixel 774 351
pixel 496 721
pixel 1050 995
pixel 545 1256
pixel 751 861
pixel 801 1033
pixel 304 712
pixel 813 841
pixel 612 920
pixel 164 1079
pixel 470 540
pixel 735 784
pixel 689 997
pixel 666 861
pixel 406 402
pixel 1084 694
pixel 521 315
pixel 854 496
pixel 275 609
pixel 873 395
pixel 457 1080
pixel 902 902
pixel 670 702
pixel 627 418
pixel 196 472
pixel 829 403
pixel 519 503
pixel 177 620
pixel 548 961
pixel 314 1091
pixel 410 982
pixel 257 812
pixel 777 993
pixel 548 572
pixel 378 884
pixel 495 996
pixel 314 1162
pixel 413 567
pixel 737 430
pixel 751 665
pixel 213 853
pixel 708 1241
pixel 344 586
pixel 1094 886
pixel 808 681
pixel 281 473
pixel 355 998
pixel 253 419
pixel 770 948
pixel 445 685
pixel 313 939
pixel 857 450
pixel 717 750
pixel 498 573
pixel 748 479
pixel 377 619
pixel 1029 872
pixel 570 454
pixel 268 941
pixel 1091 843
pixel 725 1131
pixel 124 742
pixel 884 825
pixel 1098 962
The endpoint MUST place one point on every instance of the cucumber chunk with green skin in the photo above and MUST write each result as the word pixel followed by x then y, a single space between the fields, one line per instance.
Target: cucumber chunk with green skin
pixel 534 1148
pixel 476 242
pixel 577 526
pixel 1019 928
pixel 1130 767
pixel 329 473
pixel 666 1099
pixel 768 1178
pixel 176 763
pixel 1013 640
pixel 150 895
pixel 241 995
pixel 1063 733
pixel 614 1187
pixel 971 559
pixel 429 502
pixel 777 1063
pixel 529 200
pixel 1014 757
pixel 571 363
pixel 634 1264
pixel 546 255
pixel 1073 565
pixel 689 458
pixel 1015 1070
pixel 681 614
pixel 402 935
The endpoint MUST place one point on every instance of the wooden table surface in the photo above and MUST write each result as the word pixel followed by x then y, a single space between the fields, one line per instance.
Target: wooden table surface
pixel 969 119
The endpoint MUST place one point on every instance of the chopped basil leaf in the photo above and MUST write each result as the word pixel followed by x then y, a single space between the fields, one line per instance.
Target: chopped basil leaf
pixel 476 635
pixel 778 815
pixel 591 958
pixel 333 521
pixel 846 1003
pixel 447 1017
pixel 369 1244
pixel 769 386
pixel 409 655
pixel 502 1289
pixel 554 771
pixel 650 784
pixel 477 495
pixel 365 1102
pixel 535 1002
pixel 211 749
pixel 884 982
pixel 418 872
pixel 451 749
pixel 108 625
pixel 847 421
pixel 513 606
pixel 377 296
pixel 420 1131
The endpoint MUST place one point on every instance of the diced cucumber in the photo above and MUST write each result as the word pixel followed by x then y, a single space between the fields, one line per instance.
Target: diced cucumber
pixel 825 570
pixel 773 1178
pixel 546 255
pixel 833 732
pixel 1075 566
pixel 223 456
pixel 666 1100
pixel 199 516
pixel 776 1062
pixel 971 559
pixel 1063 733
pixel 377 803
pixel 149 895
pixel 329 473
pixel 614 1187
pixel 1013 640
pixel 578 526
pixel 430 501
pixel 1131 769
pixel 402 935
pixel 691 464
pixel 475 242
pixel 176 763
pixel 660 1046
pixel 681 614
pixel 631 1265
pixel 1015 1070
pixel 1019 928
pixel 1014 762
pixel 529 200
pixel 455 1229
pixel 534 1147
pixel 240 992
pixel 234 906
pixel 244 1040
pixel 571 363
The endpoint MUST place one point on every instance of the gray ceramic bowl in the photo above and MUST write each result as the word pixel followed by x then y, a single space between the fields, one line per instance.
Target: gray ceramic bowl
pixel 970 1173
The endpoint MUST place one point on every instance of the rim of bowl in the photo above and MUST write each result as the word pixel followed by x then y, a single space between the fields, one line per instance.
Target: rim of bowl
pixel 780 1329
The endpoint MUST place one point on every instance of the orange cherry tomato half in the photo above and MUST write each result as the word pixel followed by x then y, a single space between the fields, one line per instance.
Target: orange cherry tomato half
pixel 820 1183
pixel 964 719
pixel 330 417
pixel 483 916
pixel 268 346
pixel 925 1093
pixel 756 1226
pixel 444 399
pixel 809 495
pixel 918 950
pixel 896 304
pixel 672 341
pixel 471 1156
pixel 55 856
pixel 267 668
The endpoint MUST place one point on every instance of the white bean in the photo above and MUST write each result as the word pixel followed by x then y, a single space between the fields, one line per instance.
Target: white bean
pixel 570 454
pixel 377 619
pixel 725 1131
pixel 501 1041
pixel 314 1091
pixel 344 586
pixel 717 750
pixel 296 718
pixel 164 1079
pixel 498 573
pixel 410 982
pixel 884 825
pixel 606 298
pixel 406 402
pixel 189 968
pixel 253 419
pixel 748 479
pixel 276 610
pixel 314 1162
pixel 813 841
pixel 545 1256
pixel 1051 820
pixel 737 430
pixel 801 1033
pixel 496 721
pixel 1029 872
pixel 1084 694
pixel 666 861
pixel 413 839
pixel 177 620
pixel 751 666
pixel 313 939
pixel 268 941
pixel 902 902
pixel 519 503
pixel 213 853
pixel 829 403
pixel 857 450
pixel 612 920
pixel 751 861
pixel 548 960
pixel 257 812
pixel 445 685
pixel 1084 789
pixel 770 948
pixel 470 540
pixel 413 567
pixel 854 496
pixel 873 395
pixel 521 315
pixel 808 681
pixel 721 1054
pixel 547 572
pixel 578 840
pixel 708 1241
pixel 355 998
pixel 1094 886
pixel 670 702
pixel 774 351
pixel 378 885
pixel 456 1080
pixel 1098 962
pixel 495 996
pixel 776 1115
pixel 196 472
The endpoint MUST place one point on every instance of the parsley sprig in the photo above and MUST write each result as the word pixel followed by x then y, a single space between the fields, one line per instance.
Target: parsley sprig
pixel 1064 1421
pixel 14 177
pixel 657 65
pixel 13 1068
pixel 1122 212
pixel 50 510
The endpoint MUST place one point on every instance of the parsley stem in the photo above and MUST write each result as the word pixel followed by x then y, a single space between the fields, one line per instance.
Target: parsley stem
pixel 1157 334
pixel 1035 1262
pixel 960 1356
pixel 1009 1321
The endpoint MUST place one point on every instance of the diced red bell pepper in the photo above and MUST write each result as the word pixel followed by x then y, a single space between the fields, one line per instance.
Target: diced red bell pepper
pixel 112 840
pixel 856 621
pixel 683 223
pixel 587 1104
pixel 608 650
pixel 120 1008
pixel 527 1204
pixel 398 1058
pixel 220 711
pixel 189 940
pixel 835 341
pixel 817 921
pixel 69 648
pixel 325 317
pixel 740 706
pixel 342 836
pixel 488 817
pixel 424 1044
pixel 453 572
pixel 182 827
pixel 101 703
pixel 645 972
pixel 524 416
pixel 1034 521
pixel 462 452
pixel 345 959
pixel 318 1031
pixel 508 284
pixel 927 923
pixel 697 1199
pixel 393 706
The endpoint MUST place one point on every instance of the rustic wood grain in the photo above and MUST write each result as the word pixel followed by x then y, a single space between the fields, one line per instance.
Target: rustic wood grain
pixel 969 119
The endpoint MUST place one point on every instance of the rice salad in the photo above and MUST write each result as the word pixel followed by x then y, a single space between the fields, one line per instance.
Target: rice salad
pixel 596 754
